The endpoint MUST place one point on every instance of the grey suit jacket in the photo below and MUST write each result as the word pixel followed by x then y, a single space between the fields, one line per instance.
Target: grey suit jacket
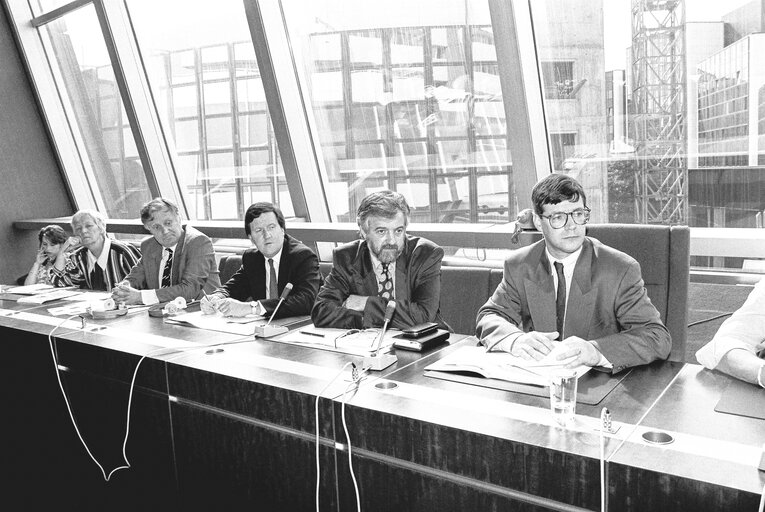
pixel 607 304
pixel 194 267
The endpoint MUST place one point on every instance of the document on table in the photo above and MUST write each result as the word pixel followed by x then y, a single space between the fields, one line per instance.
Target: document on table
pixel 503 366
pixel 42 298
pixel 243 325
pixel 347 341
pixel 30 289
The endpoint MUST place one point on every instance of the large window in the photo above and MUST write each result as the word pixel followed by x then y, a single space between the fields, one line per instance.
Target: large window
pixel 208 91
pixel 408 99
pixel 75 44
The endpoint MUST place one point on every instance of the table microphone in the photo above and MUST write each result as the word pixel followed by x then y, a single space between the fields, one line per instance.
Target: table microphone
pixel 378 361
pixel 266 331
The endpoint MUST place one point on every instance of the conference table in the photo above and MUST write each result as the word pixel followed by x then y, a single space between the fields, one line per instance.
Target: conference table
pixel 220 421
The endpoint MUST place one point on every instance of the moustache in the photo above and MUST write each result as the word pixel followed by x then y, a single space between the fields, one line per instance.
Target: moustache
pixel 391 247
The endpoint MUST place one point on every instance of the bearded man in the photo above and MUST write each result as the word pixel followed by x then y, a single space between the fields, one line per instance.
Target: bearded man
pixel 385 264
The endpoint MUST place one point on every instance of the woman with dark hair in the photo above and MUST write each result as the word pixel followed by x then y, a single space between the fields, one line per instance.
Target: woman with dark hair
pixel 54 251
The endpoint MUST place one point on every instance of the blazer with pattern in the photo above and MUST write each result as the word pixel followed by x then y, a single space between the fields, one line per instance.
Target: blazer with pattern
pixel 122 257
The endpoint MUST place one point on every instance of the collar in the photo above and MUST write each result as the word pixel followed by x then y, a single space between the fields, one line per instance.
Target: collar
pixel 568 262
pixel 171 248
pixel 377 264
pixel 103 258
pixel 276 257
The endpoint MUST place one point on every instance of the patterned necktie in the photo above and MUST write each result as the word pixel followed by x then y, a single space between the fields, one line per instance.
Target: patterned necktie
pixel 385 283
pixel 560 300
pixel 168 269
pixel 273 287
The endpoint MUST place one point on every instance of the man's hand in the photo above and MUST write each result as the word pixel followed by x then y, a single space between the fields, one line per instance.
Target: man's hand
pixel 355 302
pixel 534 345
pixel 123 292
pixel 233 307
pixel 209 303
pixel 582 351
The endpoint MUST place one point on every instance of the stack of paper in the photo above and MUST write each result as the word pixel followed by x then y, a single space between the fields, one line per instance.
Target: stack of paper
pixel 42 298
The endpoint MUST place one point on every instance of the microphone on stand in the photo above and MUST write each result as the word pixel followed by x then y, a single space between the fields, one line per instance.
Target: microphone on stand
pixel 378 361
pixel 267 331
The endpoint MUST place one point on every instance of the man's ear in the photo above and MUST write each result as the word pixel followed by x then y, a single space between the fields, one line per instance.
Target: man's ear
pixel 537 222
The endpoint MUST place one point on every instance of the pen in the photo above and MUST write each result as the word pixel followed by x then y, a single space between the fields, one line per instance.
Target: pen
pixel 309 333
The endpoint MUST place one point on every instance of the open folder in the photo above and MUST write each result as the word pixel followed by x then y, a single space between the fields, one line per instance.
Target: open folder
pixel 503 366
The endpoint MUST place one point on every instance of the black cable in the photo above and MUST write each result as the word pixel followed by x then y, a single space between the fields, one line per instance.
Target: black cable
pixel 709 319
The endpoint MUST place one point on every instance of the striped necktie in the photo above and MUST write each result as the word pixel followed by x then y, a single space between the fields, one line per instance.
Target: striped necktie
pixel 168 269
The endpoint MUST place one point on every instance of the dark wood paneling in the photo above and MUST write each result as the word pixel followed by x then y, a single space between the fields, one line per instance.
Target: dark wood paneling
pixel 228 464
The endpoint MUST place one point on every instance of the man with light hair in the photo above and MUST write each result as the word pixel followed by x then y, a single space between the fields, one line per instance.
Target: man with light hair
pixel 176 261
pixel 101 262
pixel 385 264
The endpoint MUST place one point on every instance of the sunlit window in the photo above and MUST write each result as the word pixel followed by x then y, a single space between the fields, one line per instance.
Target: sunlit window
pixel 207 88
pixel 75 44
pixel 407 97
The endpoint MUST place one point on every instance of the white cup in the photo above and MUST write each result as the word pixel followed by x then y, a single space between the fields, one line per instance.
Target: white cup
pixel 563 385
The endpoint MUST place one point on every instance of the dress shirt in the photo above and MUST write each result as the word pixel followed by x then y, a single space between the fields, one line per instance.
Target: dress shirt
pixel 569 264
pixel 103 258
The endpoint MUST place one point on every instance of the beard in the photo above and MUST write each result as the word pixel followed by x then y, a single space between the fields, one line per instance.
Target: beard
pixel 386 253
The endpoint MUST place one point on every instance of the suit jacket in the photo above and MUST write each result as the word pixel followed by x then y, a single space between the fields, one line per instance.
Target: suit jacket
pixel 298 265
pixel 194 268
pixel 607 304
pixel 417 286
pixel 122 257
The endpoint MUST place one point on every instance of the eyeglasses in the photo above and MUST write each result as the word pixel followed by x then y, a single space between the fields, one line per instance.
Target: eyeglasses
pixel 558 220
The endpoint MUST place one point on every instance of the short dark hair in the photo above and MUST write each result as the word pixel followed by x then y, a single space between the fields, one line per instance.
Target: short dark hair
pixel 156 205
pixel 55 234
pixel 384 203
pixel 554 189
pixel 257 209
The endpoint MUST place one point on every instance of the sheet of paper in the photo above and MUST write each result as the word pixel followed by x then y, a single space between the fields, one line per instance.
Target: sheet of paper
pixel 213 323
pixel 42 298
pixel 348 341
pixel 30 289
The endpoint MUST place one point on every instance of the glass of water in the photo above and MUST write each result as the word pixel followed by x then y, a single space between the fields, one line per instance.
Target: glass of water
pixel 563 396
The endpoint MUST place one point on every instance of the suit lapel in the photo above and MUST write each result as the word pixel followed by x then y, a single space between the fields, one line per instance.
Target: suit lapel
pixel 260 275
pixel 175 278
pixel 365 278
pixel 402 272
pixel 540 294
pixel 284 265
pixel 581 295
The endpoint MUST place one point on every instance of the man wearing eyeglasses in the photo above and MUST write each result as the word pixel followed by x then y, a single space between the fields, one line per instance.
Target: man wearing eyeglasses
pixel 571 289
pixel 276 259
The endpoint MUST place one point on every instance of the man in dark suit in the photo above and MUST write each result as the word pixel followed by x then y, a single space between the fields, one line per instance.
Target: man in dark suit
pixel 386 264
pixel 572 288
pixel 176 261
pixel 276 260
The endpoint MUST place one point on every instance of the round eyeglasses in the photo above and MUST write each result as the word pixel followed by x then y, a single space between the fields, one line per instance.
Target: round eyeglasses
pixel 558 220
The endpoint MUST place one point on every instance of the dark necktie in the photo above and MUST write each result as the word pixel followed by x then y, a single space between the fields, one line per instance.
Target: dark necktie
pixel 273 290
pixel 560 299
pixel 385 284
pixel 167 270
pixel 97 281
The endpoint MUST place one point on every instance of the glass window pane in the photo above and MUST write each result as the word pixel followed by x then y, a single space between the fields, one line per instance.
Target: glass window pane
pixel 407 86
pixel 205 48
pixel 76 45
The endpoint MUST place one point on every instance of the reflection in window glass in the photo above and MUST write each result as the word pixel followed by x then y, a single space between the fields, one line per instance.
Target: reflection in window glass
pixel 202 71
pixel 76 45
pixel 394 89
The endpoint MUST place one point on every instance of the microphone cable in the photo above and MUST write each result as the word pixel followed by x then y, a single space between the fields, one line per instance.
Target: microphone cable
pixel 348 438
pixel 316 415
pixel 130 392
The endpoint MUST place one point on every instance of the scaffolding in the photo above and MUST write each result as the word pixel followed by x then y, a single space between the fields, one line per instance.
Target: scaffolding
pixel 659 107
